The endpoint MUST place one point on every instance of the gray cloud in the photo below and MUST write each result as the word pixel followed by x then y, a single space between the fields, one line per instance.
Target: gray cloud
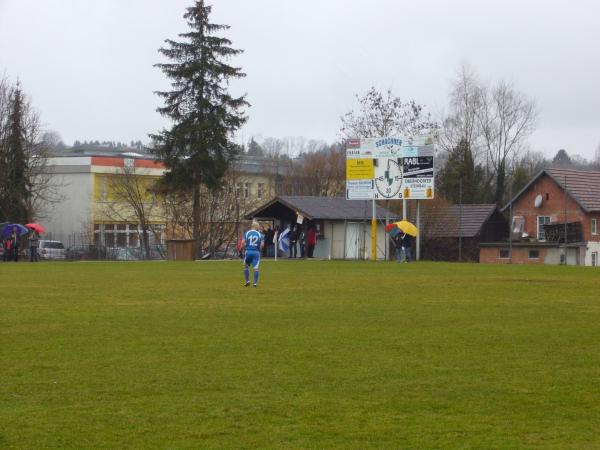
pixel 88 65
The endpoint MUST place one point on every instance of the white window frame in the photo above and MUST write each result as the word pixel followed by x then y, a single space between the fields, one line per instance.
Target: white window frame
pixel 260 190
pixel 540 233
pixel 594 226
pixel 246 190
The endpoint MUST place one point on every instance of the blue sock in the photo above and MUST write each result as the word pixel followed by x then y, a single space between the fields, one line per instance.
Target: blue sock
pixel 247 274
pixel 256 276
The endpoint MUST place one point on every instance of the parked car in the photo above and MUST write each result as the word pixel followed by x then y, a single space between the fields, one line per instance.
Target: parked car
pixel 51 250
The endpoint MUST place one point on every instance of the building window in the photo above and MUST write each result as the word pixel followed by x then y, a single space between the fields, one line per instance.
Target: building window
pixel 534 254
pixel 238 190
pixel 594 259
pixel 541 221
pixel 246 190
pixel 504 253
pixel 594 226
pixel 260 191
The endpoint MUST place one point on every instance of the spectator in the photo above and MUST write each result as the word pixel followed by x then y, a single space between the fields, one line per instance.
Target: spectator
pixel 34 243
pixel 293 241
pixel 406 243
pixel 311 240
pixel 302 240
pixel 269 234
pixel 14 244
pixel 6 246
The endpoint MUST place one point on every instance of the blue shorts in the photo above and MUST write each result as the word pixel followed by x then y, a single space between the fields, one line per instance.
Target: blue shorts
pixel 252 258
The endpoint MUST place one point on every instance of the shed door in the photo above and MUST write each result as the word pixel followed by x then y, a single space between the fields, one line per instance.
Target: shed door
pixel 352 233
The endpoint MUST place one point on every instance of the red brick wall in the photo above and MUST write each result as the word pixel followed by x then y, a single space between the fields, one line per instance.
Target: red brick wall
pixel 491 255
pixel 553 206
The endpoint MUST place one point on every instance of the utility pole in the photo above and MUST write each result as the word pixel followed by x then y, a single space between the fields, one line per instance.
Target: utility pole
pixel 510 222
pixel 565 201
pixel 460 220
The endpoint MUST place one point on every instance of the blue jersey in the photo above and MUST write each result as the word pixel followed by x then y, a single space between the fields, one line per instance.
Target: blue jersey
pixel 253 239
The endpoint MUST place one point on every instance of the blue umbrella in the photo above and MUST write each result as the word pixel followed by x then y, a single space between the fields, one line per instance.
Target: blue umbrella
pixel 21 230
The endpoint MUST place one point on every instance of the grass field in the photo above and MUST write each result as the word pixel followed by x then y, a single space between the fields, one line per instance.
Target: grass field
pixel 321 355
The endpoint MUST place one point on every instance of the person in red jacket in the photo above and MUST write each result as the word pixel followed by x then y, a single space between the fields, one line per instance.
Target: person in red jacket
pixel 311 240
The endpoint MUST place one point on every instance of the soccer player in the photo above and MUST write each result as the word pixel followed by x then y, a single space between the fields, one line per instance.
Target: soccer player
pixel 253 244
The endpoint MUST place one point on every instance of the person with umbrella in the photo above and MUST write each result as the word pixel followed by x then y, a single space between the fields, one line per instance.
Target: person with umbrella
pixel 12 235
pixel 34 241
pixel 15 241
pixel 402 234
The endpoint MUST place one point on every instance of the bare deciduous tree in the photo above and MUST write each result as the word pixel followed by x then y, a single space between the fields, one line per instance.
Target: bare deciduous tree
pixel 506 118
pixel 384 114
pixel 133 199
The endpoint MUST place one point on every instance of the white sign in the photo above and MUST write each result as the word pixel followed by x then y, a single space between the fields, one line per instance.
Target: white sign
pixel 404 168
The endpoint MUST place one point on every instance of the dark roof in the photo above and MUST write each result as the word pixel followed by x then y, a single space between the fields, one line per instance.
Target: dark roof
pixel 262 165
pixel 583 186
pixel 449 222
pixel 324 208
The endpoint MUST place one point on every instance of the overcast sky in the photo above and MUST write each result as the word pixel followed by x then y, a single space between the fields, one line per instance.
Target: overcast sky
pixel 87 64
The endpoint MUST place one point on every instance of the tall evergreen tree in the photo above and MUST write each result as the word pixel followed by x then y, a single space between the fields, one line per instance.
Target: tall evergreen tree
pixel 198 148
pixel 15 189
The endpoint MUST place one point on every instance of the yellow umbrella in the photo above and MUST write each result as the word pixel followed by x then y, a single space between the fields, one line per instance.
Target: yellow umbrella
pixel 407 227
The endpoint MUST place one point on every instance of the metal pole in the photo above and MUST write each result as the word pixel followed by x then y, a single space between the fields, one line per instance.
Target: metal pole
pixel 331 243
pixel 565 200
pixel 404 209
pixel 510 224
pixel 345 236
pixel 459 220
pixel 374 234
pixel 276 243
pixel 418 228
pixel 387 222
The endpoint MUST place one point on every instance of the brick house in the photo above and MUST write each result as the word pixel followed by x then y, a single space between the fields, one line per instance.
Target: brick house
pixel 554 203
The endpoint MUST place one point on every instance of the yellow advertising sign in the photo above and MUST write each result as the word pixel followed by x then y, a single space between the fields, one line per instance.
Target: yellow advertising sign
pixel 360 169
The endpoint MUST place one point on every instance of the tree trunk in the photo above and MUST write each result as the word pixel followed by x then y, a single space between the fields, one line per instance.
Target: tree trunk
pixel 146 241
pixel 500 180
pixel 196 215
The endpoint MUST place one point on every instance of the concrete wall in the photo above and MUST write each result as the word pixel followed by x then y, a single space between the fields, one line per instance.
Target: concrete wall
pixel 73 213
pixel 334 246
pixel 591 248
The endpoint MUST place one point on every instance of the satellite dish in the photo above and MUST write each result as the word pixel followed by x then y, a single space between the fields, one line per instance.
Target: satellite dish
pixel 538 201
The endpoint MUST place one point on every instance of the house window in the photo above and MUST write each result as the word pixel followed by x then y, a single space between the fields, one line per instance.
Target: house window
pixel 594 259
pixel 594 226
pixel 260 190
pixel 246 190
pixel 541 221
pixel 518 226
pixel 238 190
pixel 504 253
pixel 534 254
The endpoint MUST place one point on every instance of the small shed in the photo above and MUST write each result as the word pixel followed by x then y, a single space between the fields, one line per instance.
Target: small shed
pixel 466 226
pixel 343 226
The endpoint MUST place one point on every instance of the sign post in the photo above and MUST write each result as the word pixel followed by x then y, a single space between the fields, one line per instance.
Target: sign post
pixel 389 168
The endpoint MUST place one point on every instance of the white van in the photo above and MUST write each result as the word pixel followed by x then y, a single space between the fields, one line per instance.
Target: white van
pixel 51 250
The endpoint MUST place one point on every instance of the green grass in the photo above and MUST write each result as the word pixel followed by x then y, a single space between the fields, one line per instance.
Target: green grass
pixel 322 355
